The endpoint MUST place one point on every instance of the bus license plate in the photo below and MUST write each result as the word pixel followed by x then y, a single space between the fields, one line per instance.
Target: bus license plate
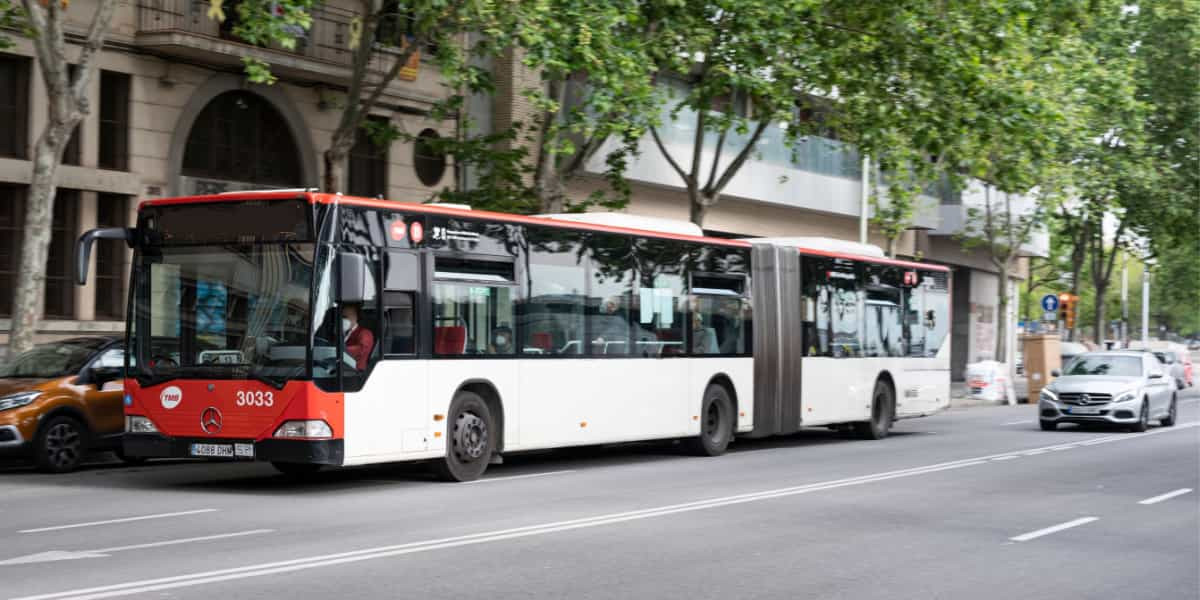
pixel 215 450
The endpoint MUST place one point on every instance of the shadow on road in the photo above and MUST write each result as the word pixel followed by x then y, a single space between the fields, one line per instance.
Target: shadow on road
pixel 262 479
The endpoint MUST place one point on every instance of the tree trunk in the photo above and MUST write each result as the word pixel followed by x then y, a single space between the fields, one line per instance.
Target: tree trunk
pixel 552 191
pixel 698 210
pixel 891 246
pixel 39 209
pixel 1100 316
pixel 335 169
pixel 1078 254
pixel 1002 315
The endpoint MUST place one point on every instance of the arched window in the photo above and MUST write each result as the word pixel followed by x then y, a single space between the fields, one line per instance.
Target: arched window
pixel 240 137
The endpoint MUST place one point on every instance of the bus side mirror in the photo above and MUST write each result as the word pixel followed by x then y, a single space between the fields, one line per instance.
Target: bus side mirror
pixel 353 269
pixel 83 248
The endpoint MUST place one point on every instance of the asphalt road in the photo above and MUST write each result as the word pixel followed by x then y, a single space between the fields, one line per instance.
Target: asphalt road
pixel 974 503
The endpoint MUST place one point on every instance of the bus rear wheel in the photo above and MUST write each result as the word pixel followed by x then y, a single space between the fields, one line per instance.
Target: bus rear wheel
pixel 882 407
pixel 716 423
pixel 470 439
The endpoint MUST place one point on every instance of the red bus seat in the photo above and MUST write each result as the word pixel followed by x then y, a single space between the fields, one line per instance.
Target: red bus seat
pixel 542 340
pixel 450 340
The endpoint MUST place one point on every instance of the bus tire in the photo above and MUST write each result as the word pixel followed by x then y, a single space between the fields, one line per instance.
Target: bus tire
pixel 292 469
pixel 882 409
pixel 470 439
pixel 716 423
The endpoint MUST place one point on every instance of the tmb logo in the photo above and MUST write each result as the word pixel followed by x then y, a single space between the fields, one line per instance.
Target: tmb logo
pixel 171 397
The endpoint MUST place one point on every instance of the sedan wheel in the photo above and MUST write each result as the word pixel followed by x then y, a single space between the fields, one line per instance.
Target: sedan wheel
pixel 1143 419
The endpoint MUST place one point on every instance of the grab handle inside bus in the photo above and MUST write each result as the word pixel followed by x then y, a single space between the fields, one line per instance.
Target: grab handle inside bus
pixel 83 248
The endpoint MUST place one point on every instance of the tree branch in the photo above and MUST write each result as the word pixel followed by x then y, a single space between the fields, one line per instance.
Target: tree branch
pixel 662 148
pixel 740 159
pixel 712 173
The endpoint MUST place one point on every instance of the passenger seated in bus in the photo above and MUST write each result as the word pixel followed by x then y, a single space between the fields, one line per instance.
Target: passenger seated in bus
pixel 704 339
pixel 359 340
pixel 502 340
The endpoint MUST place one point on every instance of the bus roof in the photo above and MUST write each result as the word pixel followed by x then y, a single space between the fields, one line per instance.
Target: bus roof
pixel 455 211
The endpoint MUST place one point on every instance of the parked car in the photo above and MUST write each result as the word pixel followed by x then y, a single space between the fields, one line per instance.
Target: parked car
pixel 1118 387
pixel 62 399
pixel 1175 356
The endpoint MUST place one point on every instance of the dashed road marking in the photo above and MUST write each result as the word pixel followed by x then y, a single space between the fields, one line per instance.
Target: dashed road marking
pixel 121 520
pixel 1166 496
pixel 1033 535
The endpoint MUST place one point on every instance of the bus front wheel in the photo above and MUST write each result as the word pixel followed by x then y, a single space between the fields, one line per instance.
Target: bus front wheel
pixel 716 423
pixel 882 408
pixel 470 439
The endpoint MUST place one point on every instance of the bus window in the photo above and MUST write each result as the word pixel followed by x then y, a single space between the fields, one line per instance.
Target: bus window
pixel 610 295
pixel 914 327
pixel 399 323
pixel 718 326
pixel 660 300
pixel 816 325
pixel 884 334
pixel 552 313
pixel 936 316
pixel 472 318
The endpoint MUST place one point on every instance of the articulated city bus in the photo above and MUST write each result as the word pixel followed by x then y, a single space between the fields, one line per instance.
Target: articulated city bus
pixel 312 329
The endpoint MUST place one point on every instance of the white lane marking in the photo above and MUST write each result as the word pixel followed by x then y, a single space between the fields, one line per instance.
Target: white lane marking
pixel 203 538
pixel 511 477
pixel 200 578
pixel 1166 496
pixel 122 520
pixel 1032 535
pixel 1021 422
pixel 1009 457
pixel 56 555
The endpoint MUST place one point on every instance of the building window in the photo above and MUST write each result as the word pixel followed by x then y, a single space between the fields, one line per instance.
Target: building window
pixel 240 137
pixel 367 175
pixel 73 152
pixel 114 121
pixel 12 199
pixel 14 106
pixel 60 291
pixel 111 211
pixel 429 162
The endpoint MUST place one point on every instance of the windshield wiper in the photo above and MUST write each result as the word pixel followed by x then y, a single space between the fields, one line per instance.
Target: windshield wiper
pixel 276 383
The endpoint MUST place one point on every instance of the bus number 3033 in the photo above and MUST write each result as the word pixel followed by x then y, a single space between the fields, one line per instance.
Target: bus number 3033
pixel 255 398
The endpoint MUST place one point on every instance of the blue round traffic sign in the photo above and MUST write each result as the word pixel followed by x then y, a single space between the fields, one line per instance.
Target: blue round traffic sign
pixel 1050 303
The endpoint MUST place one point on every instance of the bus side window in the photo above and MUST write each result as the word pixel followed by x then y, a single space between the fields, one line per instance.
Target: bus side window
pixel 661 304
pixel 399 323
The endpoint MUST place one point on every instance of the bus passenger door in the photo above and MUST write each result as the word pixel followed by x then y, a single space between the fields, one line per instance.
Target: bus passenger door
pixel 388 417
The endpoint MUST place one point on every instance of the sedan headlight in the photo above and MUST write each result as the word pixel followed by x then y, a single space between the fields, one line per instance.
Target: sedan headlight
pixel 304 429
pixel 15 400
pixel 137 424
pixel 1126 397
pixel 1048 394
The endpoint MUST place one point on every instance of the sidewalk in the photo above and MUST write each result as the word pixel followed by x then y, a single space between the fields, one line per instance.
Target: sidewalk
pixel 959 397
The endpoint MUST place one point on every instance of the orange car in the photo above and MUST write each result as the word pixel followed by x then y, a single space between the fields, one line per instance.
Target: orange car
pixel 62 399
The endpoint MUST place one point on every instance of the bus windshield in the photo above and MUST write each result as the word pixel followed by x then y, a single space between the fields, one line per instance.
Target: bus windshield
pixel 224 311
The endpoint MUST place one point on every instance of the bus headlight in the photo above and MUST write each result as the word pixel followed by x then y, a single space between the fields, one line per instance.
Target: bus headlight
pixel 304 429
pixel 138 424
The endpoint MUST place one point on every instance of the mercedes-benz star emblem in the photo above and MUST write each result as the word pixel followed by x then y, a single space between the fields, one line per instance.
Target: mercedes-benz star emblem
pixel 210 420
pixel 1085 399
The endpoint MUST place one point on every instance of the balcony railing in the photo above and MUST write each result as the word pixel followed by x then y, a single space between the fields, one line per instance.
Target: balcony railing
pixel 327 40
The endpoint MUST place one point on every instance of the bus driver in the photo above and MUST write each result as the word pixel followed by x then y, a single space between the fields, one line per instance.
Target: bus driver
pixel 359 340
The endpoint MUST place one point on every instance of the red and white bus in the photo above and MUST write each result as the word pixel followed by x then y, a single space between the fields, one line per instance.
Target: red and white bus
pixel 312 329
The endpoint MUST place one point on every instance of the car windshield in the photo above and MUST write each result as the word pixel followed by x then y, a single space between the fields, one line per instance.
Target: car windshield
pixel 1116 366
pixel 229 311
pixel 55 359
